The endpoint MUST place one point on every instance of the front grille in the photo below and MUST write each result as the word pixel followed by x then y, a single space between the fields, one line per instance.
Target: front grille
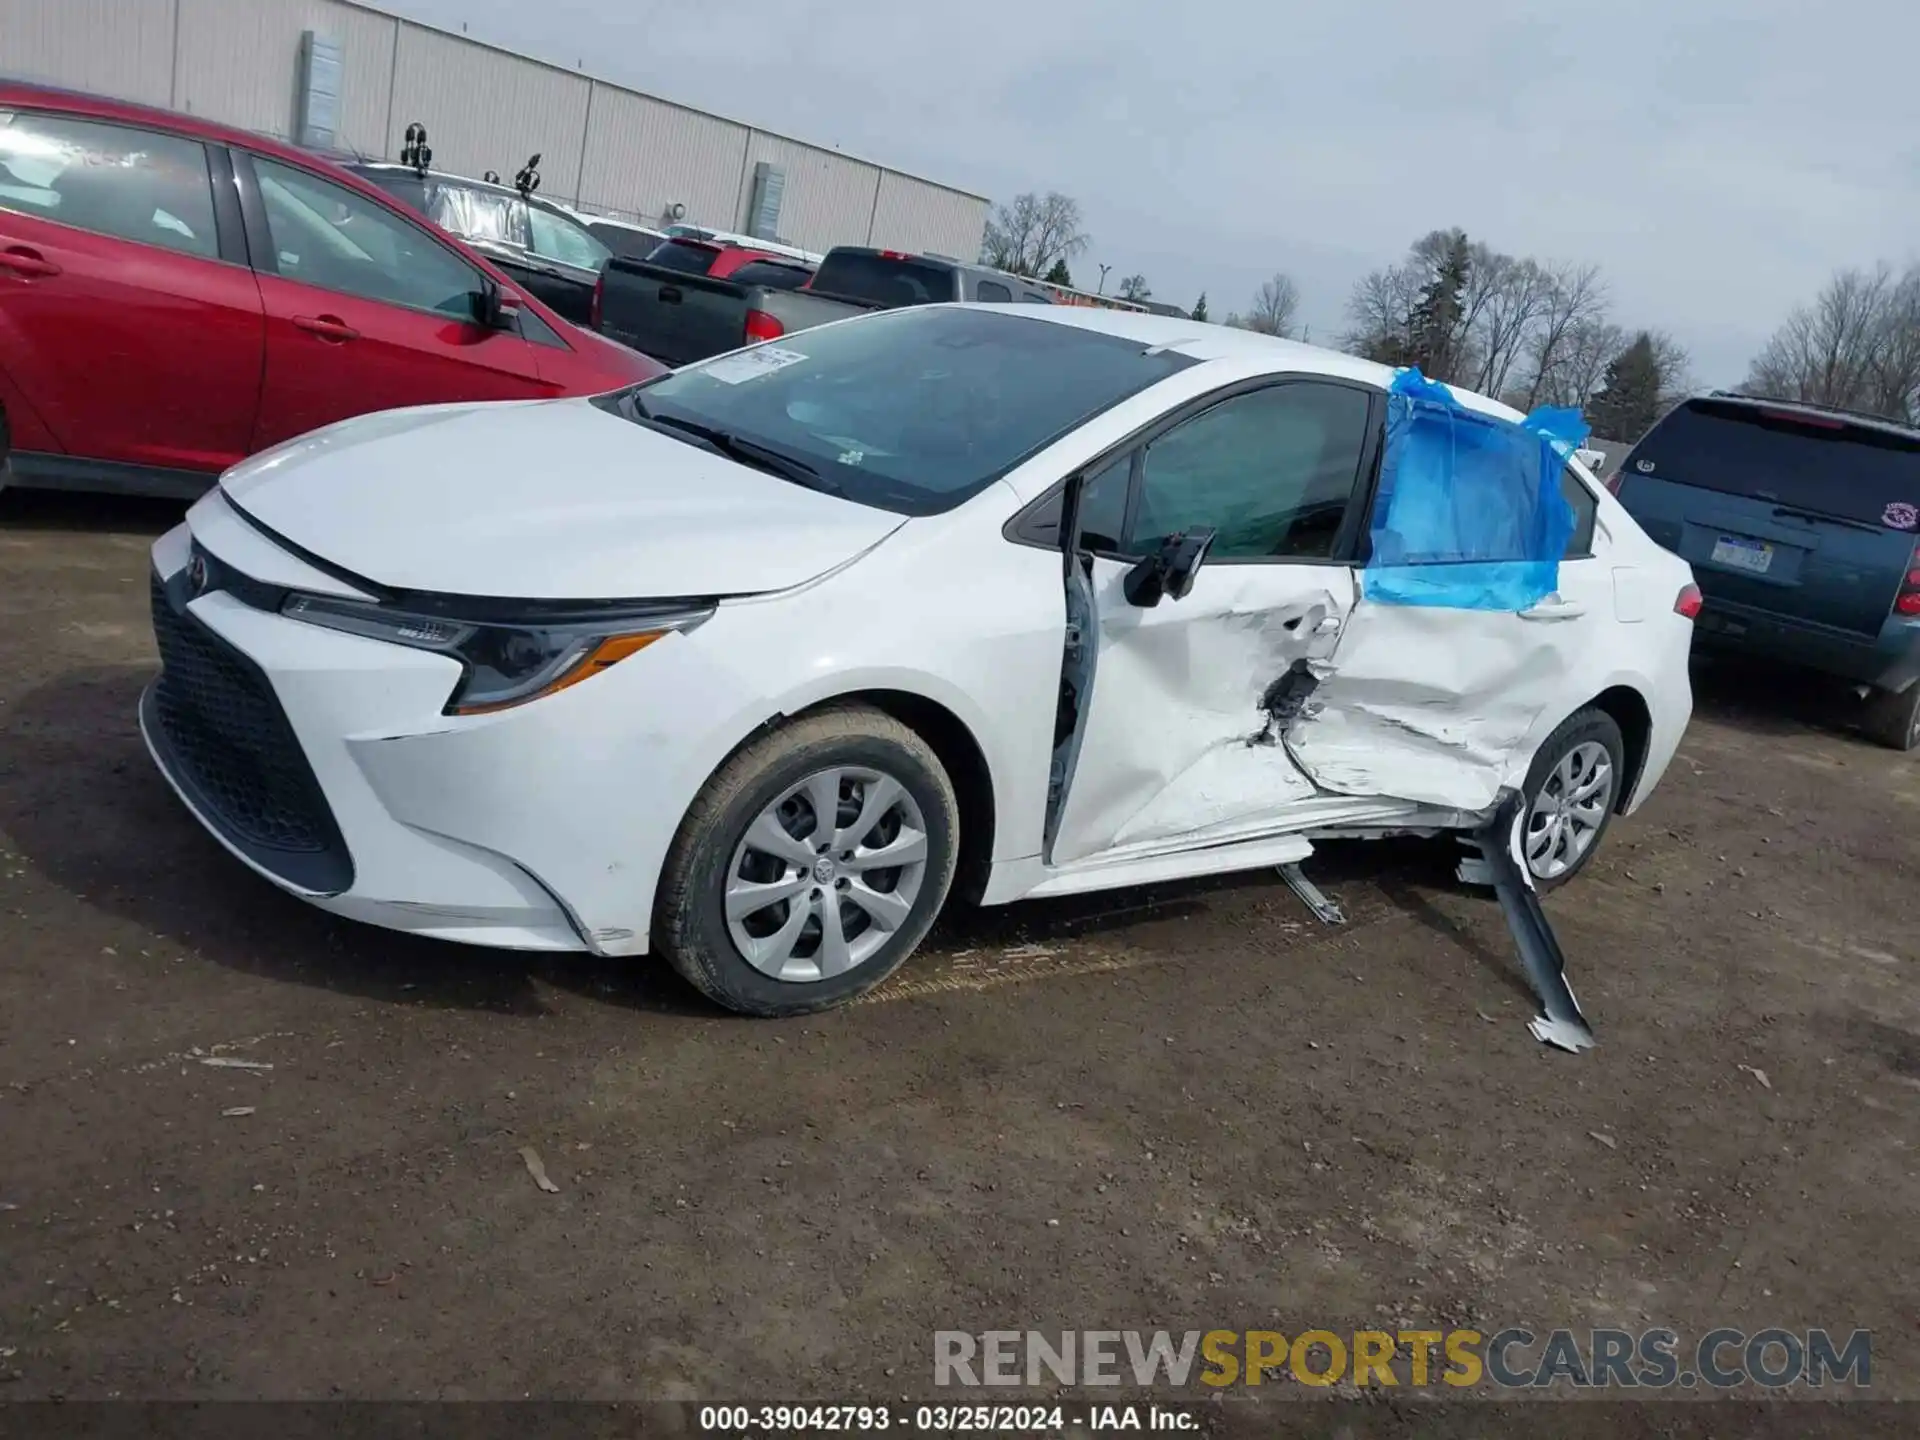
pixel 228 742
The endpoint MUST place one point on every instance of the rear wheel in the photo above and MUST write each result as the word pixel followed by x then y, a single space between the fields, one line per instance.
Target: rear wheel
pixel 811 865
pixel 1572 790
pixel 1892 717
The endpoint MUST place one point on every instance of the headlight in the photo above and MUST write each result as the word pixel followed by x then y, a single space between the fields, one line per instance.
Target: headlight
pixel 507 662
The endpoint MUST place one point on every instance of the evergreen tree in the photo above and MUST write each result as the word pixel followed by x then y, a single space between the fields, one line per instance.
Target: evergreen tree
pixel 1058 274
pixel 1629 399
pixel 1200 307
pixel 1433 327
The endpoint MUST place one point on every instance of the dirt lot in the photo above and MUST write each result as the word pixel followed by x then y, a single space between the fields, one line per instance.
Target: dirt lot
pixel 1187 1108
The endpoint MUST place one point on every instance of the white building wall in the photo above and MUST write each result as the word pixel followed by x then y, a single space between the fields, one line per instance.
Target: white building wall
pixel 485 109
pixel 239 63
pixel 602 146
pixel 644 154
pixel 915 215
pixel 114 47
pixel 828 199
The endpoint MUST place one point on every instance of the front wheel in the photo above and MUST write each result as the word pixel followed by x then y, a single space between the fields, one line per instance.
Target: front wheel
pixel 1572 790
pixel 811 865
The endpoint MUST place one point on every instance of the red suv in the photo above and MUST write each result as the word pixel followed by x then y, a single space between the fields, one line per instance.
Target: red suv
pixel 175 295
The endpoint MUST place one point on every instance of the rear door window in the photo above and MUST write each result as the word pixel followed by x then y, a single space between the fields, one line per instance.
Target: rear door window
pixel 109 179
pixel 557 238
pixel 884 280
pixel 687 256
pixel 1819 464
pixel 482 217
pixel 991 292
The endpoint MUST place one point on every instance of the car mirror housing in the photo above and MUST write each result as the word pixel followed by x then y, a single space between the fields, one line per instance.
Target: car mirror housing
pixel 1168 572
pixel 495 308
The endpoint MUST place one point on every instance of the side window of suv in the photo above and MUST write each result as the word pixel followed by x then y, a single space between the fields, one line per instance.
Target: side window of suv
pixel 558 238
pixel 338 239
pixel 1272 471
pixel 992 292
pixel 110 179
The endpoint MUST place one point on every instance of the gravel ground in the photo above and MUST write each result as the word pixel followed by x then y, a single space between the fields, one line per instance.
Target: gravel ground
pixel 1190 1107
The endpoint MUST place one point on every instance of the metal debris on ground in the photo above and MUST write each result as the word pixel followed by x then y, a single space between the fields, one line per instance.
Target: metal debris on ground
pixel 1560 1024
pixel 1760 1075
pixel 536 1169
pixel 1325 910
pixel 1606 1140
pixel 234 1062
pixel 233 1112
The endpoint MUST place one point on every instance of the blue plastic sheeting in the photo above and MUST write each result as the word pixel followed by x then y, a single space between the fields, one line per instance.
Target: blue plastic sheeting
pixel 1469 514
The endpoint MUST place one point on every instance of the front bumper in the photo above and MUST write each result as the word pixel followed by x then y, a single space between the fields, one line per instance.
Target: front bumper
pixel 322 760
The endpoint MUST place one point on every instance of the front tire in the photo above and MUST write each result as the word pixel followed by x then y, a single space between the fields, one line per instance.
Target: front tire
pixel 1572 790
pixel 811 865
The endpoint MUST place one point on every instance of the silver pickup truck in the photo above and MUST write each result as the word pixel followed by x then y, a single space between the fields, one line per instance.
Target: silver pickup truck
pixel 689 300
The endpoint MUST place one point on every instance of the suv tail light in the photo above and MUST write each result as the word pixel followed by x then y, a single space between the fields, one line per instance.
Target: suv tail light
pixel 1688 602
pixel 599 289
pixel 762 326
pixel 1908 601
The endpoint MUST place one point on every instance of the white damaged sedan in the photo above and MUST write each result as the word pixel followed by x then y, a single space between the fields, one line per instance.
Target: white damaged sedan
pixel 754 663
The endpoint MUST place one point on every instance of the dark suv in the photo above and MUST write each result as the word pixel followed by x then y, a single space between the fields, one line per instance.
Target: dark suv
pixel 1800 523
pixel 543 246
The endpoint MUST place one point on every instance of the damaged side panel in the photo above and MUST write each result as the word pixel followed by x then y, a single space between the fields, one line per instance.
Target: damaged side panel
pixel 1433 706
pixel 1180 737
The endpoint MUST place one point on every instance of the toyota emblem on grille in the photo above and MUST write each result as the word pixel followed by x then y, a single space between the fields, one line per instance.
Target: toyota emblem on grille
pixel 197 575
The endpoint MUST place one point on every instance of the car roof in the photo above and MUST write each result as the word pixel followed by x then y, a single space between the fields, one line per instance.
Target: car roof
pixel 395 167
pixel 101 107
pixel 1204 342
pixel 1811 410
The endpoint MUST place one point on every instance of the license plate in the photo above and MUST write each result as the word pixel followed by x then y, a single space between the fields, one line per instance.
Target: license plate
pixel 1754 556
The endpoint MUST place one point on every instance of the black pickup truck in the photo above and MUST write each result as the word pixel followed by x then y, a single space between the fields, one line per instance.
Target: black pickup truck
pixel 691 299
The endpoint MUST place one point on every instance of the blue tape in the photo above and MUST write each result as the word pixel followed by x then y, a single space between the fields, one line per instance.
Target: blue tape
pixel 1469 514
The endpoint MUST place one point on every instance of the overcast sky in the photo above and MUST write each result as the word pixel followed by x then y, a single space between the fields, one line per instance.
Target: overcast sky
pixel 1718 158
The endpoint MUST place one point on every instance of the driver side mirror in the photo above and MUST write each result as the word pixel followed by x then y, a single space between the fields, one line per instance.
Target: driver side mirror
pixel 495 308
pixel 1169 571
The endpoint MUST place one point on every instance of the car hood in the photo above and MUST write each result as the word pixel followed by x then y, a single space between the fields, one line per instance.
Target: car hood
pixel 539 500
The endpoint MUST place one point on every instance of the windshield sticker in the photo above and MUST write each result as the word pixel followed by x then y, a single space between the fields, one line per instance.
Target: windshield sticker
pixel 751 364
pixel 852 457
pixel 1901 516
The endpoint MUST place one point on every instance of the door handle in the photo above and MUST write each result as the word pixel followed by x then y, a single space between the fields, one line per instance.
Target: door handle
pixel 670 295
pixel 1555 609
pixel 27 263
pixel 330 328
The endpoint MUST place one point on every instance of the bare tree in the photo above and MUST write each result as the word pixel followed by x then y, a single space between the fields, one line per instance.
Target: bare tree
pixel 1518 294
pixel 1032 233
pixel 1675 365
pixel 1857 347
pixel 1576 296
pixel 1380 312
pixel 1276 305
pixel 1135 288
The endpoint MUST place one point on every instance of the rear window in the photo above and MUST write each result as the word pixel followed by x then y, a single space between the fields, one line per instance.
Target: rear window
pixel 684 255
pixel 884 281
pixel 772 274
pixel 1815 463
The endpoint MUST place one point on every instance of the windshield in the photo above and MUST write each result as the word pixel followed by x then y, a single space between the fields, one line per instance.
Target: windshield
pixel 908 410
pixel 1818 463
